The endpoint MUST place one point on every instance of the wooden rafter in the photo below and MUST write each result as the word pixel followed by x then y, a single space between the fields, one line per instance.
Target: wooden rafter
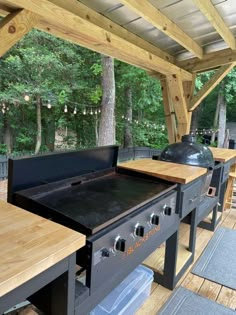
pixel 208 9
pixel 59 21
pixel 14 26
pixel 145 9
pixel 100 20
pixel 209 61
pixel 176 95
pixel 210 85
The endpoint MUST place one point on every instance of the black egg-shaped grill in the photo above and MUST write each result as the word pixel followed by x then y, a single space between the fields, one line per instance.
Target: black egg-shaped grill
pixel 188 152
pixel 191 153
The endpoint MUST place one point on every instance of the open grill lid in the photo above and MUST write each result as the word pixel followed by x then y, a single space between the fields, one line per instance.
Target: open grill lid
pixel 188 152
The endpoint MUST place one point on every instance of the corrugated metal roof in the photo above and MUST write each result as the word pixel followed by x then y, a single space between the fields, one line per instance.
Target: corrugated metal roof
pixel 183 13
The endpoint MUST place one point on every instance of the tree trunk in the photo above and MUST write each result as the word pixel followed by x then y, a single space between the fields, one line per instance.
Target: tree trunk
pixel 222 116
pixel 7 134
pixel 50 135
pixel 106 128
pixel 39 124
pixel 128 136
pixel 216 120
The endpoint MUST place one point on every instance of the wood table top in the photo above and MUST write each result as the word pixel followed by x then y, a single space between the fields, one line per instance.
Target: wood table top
pixel 222 154
pixel 30 244
pixel 178 173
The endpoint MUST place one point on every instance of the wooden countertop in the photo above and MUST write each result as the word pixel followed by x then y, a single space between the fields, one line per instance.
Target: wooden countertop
pixel 174 172
pixel 30 244
pixel 222 154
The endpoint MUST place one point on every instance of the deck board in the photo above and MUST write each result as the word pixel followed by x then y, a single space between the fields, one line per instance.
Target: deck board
pixel 199 285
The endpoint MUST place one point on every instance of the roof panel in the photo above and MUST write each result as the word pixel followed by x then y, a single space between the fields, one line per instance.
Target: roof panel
pixel 182 12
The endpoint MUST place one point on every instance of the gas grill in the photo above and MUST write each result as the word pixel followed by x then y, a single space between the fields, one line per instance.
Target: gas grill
pixel 125 215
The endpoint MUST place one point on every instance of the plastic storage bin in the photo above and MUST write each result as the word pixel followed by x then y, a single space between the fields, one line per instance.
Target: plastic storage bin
pixel 129 295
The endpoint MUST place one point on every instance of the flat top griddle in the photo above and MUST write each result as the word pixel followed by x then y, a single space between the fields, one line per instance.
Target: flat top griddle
pixel 97 203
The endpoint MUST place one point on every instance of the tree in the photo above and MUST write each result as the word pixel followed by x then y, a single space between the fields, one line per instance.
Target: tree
pixel 107 123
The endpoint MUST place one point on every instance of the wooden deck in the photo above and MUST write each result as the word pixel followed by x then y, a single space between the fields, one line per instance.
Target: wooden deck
pixel 204 287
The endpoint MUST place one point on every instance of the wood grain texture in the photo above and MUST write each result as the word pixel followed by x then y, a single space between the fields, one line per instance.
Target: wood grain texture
pixel 151 14
pixel 223 155
pixel 217 77
pixel 174 172
pixel 61 19
pixel 30 244
pixel 14 26
pixel 214 17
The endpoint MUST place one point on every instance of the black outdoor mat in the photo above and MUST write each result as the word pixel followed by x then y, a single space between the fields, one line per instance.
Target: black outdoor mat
pixel 185 302
pixel 218 261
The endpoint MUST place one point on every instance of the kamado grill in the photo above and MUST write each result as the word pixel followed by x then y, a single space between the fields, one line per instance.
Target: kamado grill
pixel 212 194
pixel 125 215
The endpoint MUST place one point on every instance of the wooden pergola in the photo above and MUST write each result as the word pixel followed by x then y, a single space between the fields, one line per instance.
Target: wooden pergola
pixel 175 57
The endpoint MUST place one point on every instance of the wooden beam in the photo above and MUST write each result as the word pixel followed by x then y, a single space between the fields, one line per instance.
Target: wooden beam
pixel 151 14
pixel 209 61
pixel 176 92
pixel 210 12
pixel 13 27
pixel 61 22
pixel 210 85
pixel 100 20
pixel 169 113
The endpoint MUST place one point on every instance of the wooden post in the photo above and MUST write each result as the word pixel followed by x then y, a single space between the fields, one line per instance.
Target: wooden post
pixel 169 112
pixel 177 97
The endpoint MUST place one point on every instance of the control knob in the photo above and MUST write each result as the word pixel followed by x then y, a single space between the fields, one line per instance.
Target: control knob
pixel 167 210
pixel 139 230
pixel 119 244
pixel 154 219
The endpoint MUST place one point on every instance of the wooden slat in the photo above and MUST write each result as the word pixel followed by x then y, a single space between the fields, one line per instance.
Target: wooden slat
pixel 176 92
pixel 210 290
pixel 30 244
pixel 174 172
pixel 217 77
pixel 169 113
pixel 68 25
pixel 145 9
pixel 210 12
pixel 227 297
pixel 209 61
pixel 14 26
pixel 222 154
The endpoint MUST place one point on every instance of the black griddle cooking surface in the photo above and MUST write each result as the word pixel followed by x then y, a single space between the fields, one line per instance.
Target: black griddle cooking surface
pixel 99 202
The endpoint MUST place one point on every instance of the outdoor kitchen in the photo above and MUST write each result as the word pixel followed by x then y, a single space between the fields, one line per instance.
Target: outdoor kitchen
pixel 133 211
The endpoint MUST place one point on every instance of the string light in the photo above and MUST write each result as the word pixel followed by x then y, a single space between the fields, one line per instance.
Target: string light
pixel 84 112
pixel 75 111
pixel 49 105
pixel 26 97
pixel 65 109
pixel 91 112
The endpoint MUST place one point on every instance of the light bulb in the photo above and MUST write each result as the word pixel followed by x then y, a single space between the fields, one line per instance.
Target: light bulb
pixel 75 111
pixel 99 110
pixel 65 109
pixel 91 112
pixel 26 97
pixel 84 112
pixel 95 112
pixel 49 105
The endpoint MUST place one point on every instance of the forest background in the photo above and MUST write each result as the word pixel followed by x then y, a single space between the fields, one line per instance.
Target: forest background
pixel 51 88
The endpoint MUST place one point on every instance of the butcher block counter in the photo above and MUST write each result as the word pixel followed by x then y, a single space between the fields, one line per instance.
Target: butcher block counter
pixel 223 155
pixel 179 173
pixel 30 246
